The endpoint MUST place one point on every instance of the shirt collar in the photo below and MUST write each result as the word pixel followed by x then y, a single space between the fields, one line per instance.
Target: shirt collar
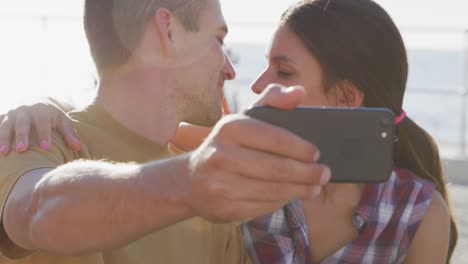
pixel 370 199
pixel 366 210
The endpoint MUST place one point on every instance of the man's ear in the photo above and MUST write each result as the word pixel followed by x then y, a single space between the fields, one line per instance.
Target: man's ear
pixel 163 19
pixel 349 95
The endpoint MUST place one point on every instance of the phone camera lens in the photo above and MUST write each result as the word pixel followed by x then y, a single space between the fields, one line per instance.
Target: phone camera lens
pixel 385 123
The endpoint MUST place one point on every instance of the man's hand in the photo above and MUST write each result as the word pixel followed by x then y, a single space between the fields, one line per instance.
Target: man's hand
pixel 43 117
pixel 247 168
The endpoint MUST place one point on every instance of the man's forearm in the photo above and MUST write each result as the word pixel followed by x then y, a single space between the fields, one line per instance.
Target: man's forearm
pixel 89 206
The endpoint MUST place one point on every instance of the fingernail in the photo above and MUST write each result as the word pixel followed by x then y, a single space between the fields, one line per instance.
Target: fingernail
pixel 315 192
pixel 288 89
pixel 316 155
pixel 292 88
pixel 3 149
pixel 20 145
pixel 76 144
pixel 326 176
pixel 44 145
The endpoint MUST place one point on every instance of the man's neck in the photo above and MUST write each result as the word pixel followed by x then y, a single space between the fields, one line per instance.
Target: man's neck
pixel 141 105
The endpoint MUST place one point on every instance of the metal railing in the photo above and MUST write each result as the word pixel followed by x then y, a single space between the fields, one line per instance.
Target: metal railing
pixel 464 94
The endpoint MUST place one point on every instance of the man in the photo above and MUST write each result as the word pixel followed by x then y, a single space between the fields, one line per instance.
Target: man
pixel 159 63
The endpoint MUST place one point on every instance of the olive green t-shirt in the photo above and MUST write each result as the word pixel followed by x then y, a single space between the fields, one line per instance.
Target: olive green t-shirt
pixel 193 241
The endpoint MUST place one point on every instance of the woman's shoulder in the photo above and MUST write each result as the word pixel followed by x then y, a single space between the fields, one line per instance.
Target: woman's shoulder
pixel 409 176
pixel 405 201
pixel 405 194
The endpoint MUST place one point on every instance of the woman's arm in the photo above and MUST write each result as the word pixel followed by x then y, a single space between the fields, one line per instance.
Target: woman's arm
pixel 16 126
pixel 431 242
pixel 51 114
pixel 188 137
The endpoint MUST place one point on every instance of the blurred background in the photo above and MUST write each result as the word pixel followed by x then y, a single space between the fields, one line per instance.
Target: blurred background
pixel 43 52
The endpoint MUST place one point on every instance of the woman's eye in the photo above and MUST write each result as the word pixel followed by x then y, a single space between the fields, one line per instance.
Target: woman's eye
pixel 284 74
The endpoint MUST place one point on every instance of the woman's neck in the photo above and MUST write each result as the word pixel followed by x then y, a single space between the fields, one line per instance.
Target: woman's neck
pixel 342 194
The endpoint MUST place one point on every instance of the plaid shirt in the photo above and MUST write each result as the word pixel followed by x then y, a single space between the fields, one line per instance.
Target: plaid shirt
pixel 387 219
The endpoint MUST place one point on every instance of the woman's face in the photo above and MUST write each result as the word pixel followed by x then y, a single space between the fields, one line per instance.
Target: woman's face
pixel 290 63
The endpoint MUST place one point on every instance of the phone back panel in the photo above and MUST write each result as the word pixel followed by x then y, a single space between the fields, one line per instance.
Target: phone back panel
pixel 356 143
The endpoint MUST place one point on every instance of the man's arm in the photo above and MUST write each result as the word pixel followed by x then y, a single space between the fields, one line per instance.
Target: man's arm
pixel 88 206
pixel 430 244
pixel 245 168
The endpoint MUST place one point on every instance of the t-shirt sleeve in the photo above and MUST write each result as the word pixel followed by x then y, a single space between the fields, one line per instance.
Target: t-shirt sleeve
pixel 15 165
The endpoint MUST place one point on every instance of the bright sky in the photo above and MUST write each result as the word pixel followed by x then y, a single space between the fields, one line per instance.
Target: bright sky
pixel 41 57
pixel 452 13
pixel 410 15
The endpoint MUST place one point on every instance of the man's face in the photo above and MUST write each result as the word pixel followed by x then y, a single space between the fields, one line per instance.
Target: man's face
pixel 203 68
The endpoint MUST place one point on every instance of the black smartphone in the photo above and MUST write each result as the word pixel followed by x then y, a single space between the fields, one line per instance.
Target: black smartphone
pixel 355 143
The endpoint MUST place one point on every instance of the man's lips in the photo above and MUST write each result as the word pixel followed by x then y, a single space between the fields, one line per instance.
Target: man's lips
pixel 221 85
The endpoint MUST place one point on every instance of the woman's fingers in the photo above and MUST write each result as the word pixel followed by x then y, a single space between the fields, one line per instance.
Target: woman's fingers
pixel 6 130
pixel 22 129
pixel 68 132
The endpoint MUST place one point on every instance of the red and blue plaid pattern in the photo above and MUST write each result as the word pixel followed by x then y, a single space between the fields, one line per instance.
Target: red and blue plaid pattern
pixel 387 218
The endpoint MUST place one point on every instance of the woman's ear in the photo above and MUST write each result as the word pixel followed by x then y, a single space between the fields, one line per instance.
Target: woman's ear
pixel 349 95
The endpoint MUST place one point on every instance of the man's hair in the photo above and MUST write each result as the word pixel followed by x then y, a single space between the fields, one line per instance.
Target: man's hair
pixel 115 27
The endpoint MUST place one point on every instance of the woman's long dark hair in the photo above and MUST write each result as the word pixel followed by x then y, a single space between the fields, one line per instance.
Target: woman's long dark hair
pixel 357 41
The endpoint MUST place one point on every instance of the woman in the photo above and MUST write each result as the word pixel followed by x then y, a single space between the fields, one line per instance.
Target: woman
pixel 349 53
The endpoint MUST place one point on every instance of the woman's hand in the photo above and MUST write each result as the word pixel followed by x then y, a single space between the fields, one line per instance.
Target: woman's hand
pixel 188 137
pixel 15 127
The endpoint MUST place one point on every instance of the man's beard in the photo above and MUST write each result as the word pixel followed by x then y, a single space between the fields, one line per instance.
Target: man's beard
pixel 204 113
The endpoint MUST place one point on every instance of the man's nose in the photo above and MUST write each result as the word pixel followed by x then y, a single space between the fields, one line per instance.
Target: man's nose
pixel 228 70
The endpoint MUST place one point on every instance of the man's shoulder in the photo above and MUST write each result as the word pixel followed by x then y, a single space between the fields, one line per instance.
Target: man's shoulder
pixel 104 137
pixel 84 115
